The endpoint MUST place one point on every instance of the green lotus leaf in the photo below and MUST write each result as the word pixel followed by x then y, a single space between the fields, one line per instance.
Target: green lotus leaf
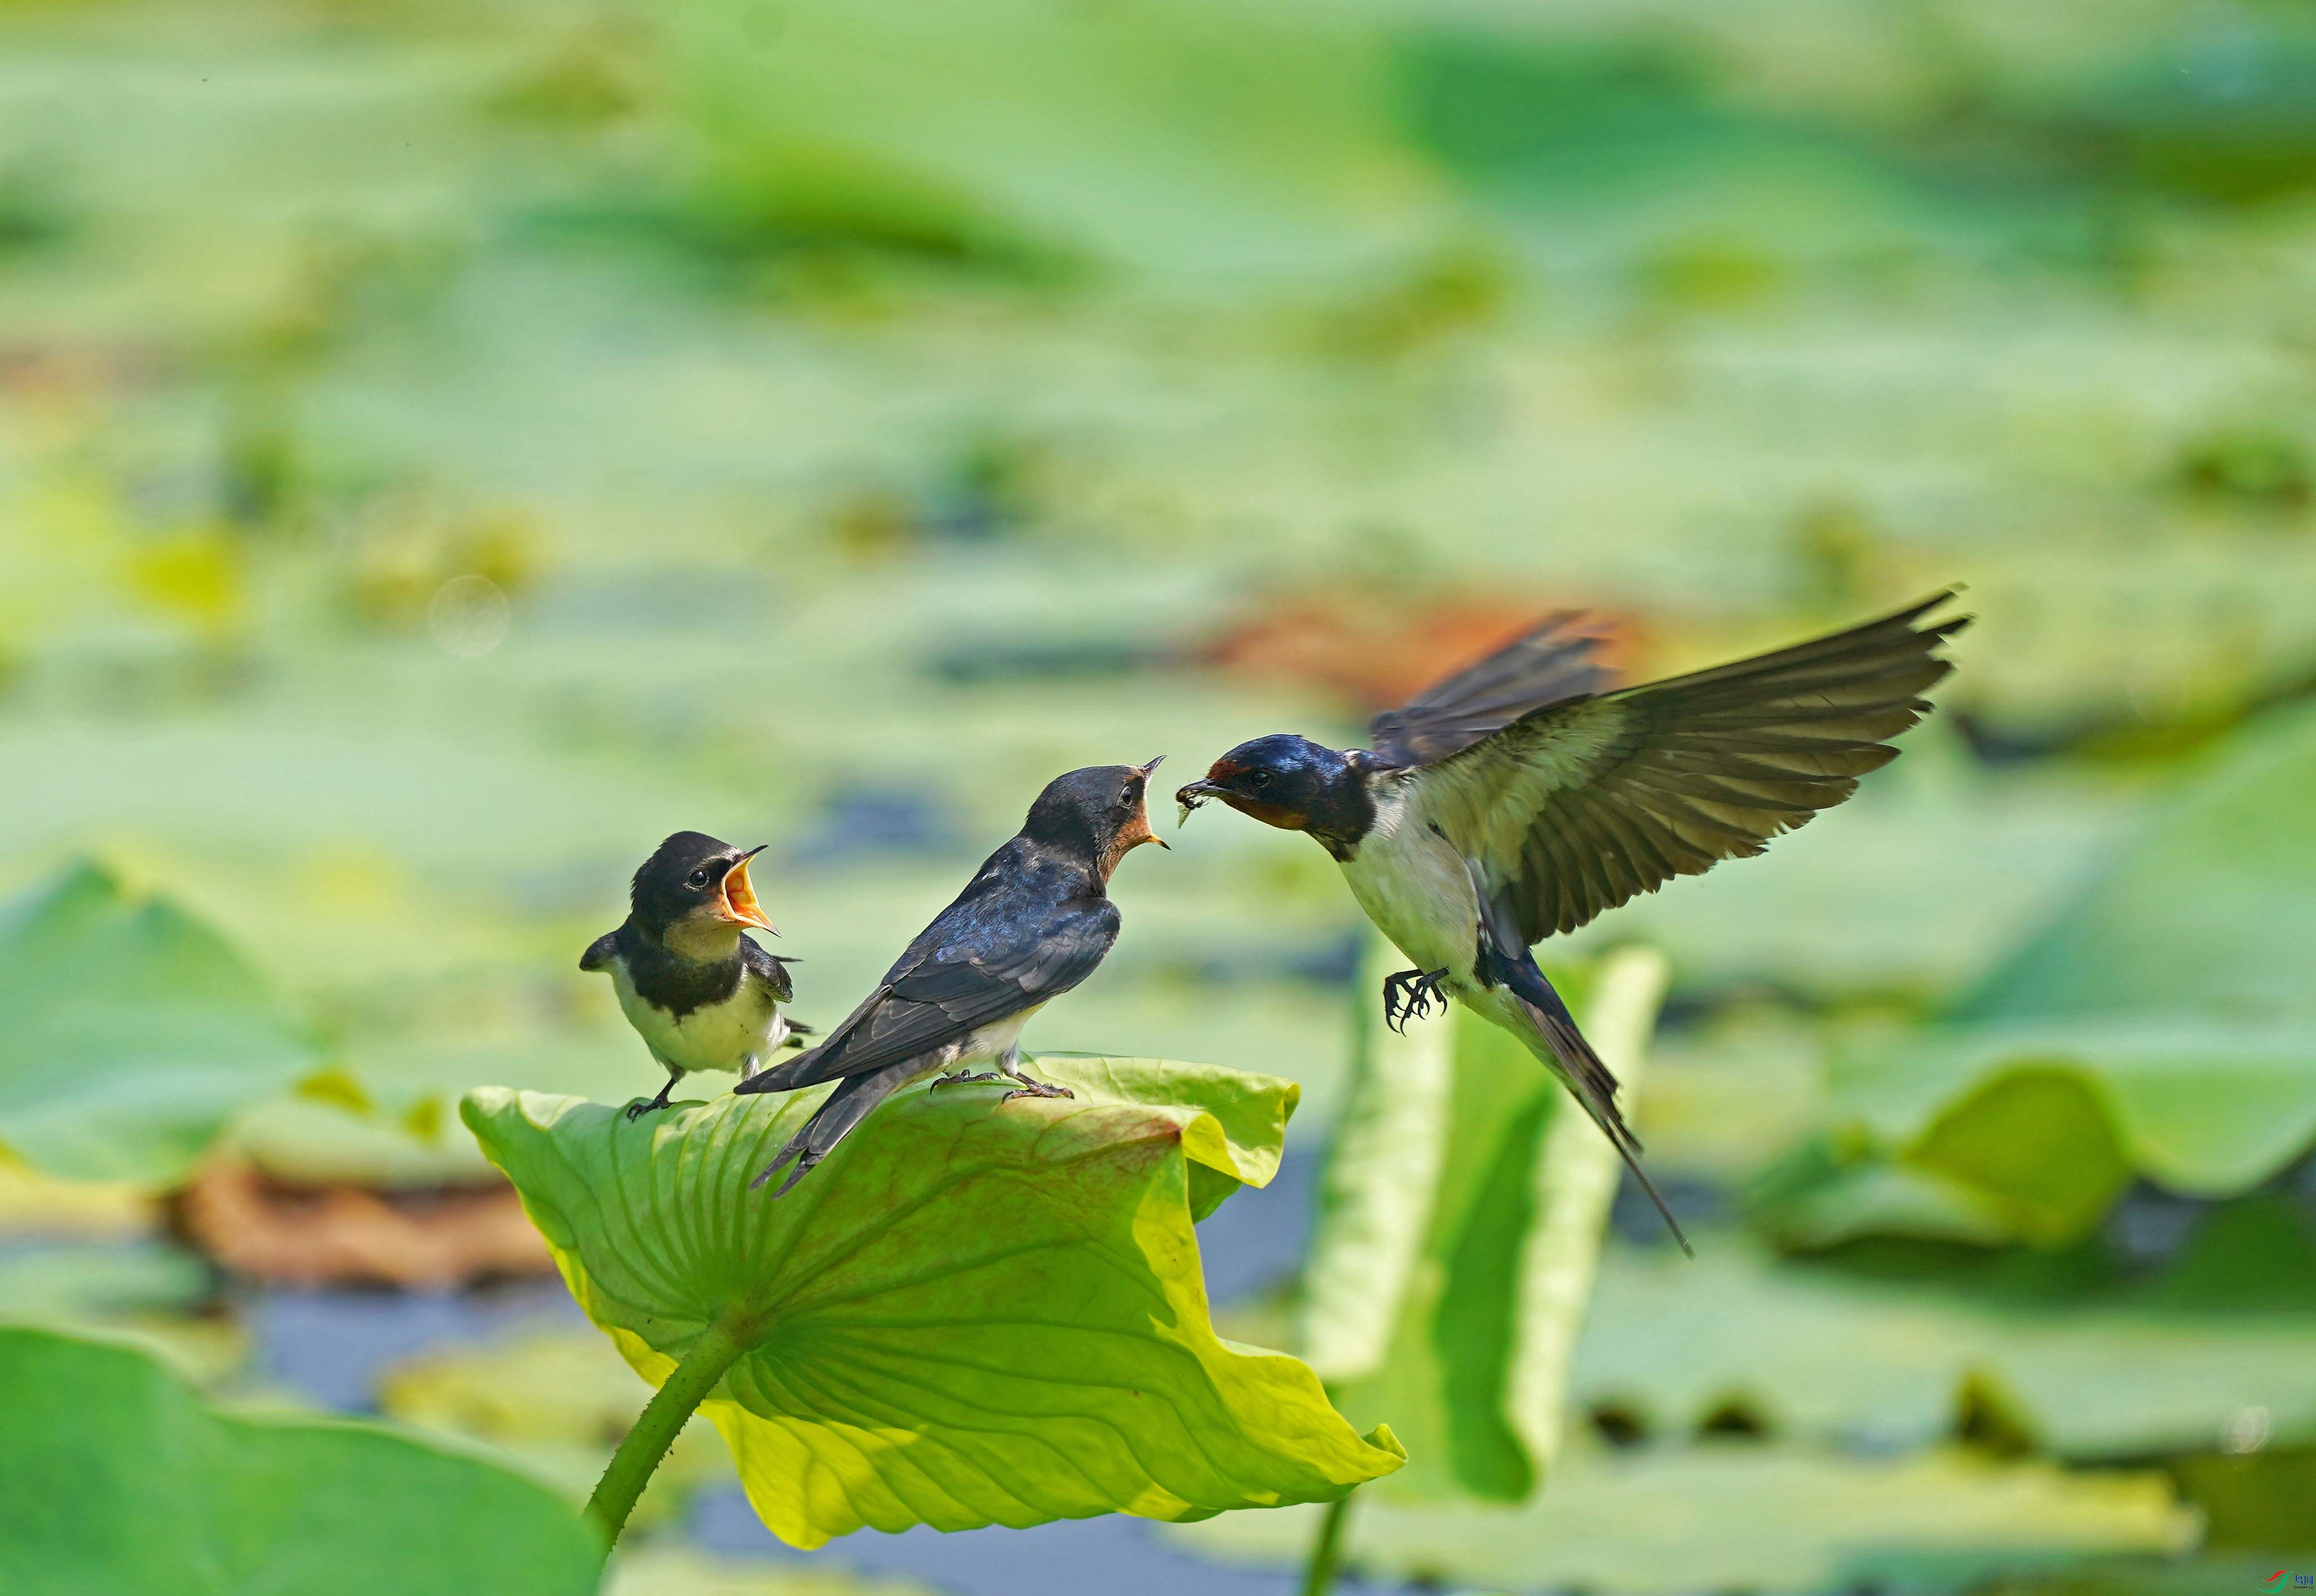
pixel 114 1476
pixel 2049 1121
pixel 1460 1221
pixel 2054 1352
pixel 1734 1516
pixel 129 1033
pixel 976 1313
pixel 884 123
pixel 2161 1027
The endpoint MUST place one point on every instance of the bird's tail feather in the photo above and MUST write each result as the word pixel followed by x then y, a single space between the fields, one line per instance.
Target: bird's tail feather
pixel 832 1122
pixel 784 1076
pixel 1589 1079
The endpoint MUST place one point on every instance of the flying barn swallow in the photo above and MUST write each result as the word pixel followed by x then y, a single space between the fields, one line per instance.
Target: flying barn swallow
pixel 1034 922
pixel 699 992
pixel 1525 795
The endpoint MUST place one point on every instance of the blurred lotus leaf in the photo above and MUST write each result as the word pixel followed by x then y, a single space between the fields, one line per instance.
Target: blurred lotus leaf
pixel 943 134
pixel 2212 907
pixel 133 1033
pixel 115 1477
pixel 2049 1122
pixel 2162 1026
pixel 977 1312
pixel 67 1283
pixel 2086 1369
pixel 145 1292
pixel 1748 1518
pixel 1460 1223
pixel 668 1570
pixel 560 1400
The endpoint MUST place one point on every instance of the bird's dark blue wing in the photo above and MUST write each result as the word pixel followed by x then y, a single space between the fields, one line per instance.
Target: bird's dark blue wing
pixel 989 955
pixel 1558 659
pixel 769 967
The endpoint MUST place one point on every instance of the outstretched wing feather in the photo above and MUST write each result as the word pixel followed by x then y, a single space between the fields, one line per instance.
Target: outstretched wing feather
pixel 1576 807
pixel 1556 660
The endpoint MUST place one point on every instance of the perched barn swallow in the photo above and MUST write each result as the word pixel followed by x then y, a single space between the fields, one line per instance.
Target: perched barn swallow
pixel 1034 922
pixel 700 994
pixel 1524 795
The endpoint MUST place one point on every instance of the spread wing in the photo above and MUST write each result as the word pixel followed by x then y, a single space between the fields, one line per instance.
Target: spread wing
pixel 1577 807
pixel 973 973
pixel 1556 661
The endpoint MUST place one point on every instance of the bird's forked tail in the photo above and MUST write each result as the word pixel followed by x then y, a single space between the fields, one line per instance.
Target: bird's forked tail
pixel 1589 1079
pixel 832 1121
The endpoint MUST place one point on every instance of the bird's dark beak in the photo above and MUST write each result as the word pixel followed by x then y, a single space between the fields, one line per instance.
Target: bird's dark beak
pixel 1190 795
pixel 740 904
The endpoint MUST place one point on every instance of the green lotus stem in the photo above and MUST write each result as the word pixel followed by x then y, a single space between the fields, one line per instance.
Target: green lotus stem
pixel 1326 1551
pixel 719 1347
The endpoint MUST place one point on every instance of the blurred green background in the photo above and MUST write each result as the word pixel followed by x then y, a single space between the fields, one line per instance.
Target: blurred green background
pixel 443 450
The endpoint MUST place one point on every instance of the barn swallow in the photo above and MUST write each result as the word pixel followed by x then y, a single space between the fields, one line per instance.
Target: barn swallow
pixel 1523 795
pixel 699 992
pixel 1034 922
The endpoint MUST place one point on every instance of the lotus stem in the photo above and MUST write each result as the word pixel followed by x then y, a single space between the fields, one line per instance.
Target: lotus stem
pixel 655 1430
pixel 1326 1551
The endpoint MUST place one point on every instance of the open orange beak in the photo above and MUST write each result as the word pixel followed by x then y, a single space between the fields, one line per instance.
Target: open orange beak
pixel 740 904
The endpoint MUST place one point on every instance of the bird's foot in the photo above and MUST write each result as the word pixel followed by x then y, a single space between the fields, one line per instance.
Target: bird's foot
pixel 636 1110
pixel 962 1079
pixel 1410 994
pixel 1030 1088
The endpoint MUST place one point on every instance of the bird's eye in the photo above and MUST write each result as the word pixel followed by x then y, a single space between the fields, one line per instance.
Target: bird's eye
pixel 698 878
pixel 1261 778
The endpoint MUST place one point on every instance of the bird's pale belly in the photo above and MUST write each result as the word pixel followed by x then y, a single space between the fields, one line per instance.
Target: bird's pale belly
pixel 714 1037
pixel 1417 891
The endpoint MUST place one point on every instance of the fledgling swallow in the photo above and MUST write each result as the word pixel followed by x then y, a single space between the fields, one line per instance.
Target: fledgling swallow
pixel 1034 922
pixel 699 992
pixel 1525 794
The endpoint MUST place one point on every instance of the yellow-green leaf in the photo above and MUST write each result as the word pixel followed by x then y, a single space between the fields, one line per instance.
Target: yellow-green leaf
pixel 976 1313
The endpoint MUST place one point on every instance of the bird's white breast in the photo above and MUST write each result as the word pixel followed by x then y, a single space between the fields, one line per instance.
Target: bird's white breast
pixel 712 1037
pixel 1413 884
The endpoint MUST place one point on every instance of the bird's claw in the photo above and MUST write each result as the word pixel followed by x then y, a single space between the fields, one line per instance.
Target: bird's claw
pixel 1410 994
pixel 636 1110
pixel 962 1079
pixel 1030 1088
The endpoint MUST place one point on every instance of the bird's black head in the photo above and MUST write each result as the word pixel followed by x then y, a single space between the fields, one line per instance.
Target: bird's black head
pixel 1096 815
pixel 1290 782
pixel 694 896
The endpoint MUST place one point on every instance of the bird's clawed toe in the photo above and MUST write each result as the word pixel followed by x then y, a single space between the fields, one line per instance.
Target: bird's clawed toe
pixel 1030 1088
pixel 962 1079
pixel 1410 994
